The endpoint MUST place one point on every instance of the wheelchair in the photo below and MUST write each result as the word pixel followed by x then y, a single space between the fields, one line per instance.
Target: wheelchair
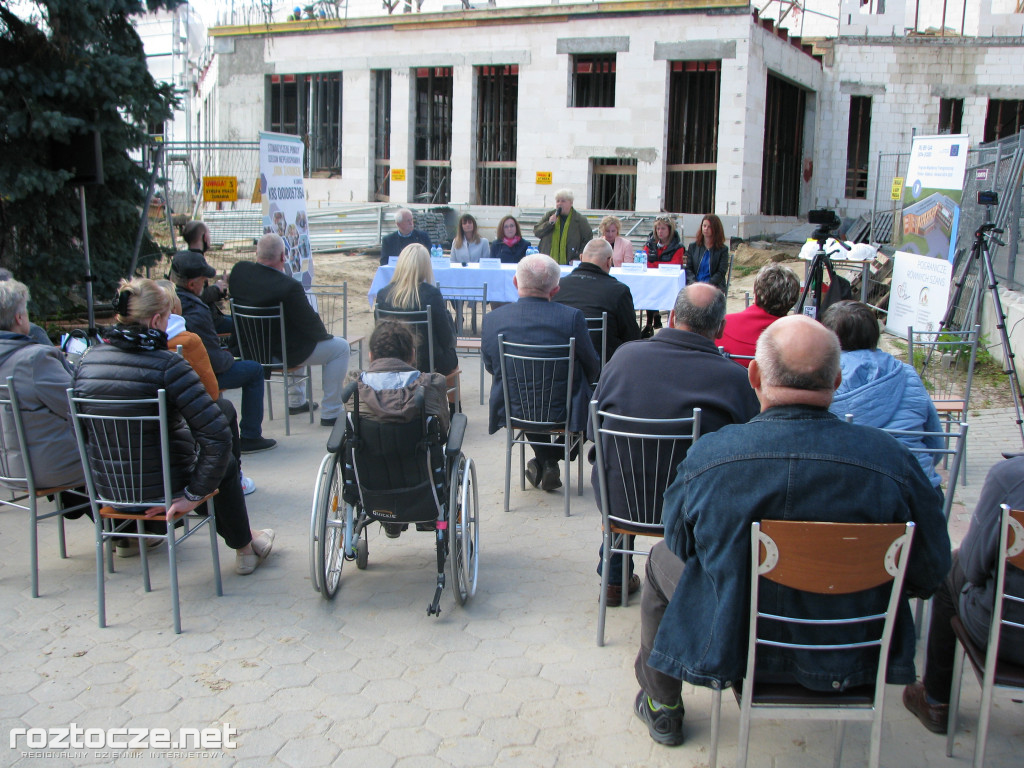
pixel 395 473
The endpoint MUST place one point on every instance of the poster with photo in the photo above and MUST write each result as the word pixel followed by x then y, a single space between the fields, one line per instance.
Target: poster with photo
pixel 931 195
pixel 284 200
pixel 920 292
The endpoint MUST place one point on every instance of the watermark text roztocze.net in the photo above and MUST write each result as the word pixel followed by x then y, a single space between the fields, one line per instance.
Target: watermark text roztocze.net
pixel 76 737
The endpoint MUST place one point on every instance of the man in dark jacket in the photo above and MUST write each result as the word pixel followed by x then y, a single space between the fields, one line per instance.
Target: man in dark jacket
pixel 264 283
pixel 189 272
pixel 666 377
pixel 970 593
pixel 593 291
pixel 197 236
pixel 535 319
pixel 394 244
pixel 794 460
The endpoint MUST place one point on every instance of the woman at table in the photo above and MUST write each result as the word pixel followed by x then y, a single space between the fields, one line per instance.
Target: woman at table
pixel 663 247
pixel 411 289
pixel 707 257
pixel 468 246
pixel 622 249
pixel 509 246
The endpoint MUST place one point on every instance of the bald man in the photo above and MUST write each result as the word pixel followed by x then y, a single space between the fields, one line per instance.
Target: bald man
pixel 797 461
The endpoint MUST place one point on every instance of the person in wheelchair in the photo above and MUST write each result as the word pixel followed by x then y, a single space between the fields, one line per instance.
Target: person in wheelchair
pixel 387 388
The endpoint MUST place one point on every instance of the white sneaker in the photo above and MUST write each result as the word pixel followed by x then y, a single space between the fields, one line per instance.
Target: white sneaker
pixel 248 485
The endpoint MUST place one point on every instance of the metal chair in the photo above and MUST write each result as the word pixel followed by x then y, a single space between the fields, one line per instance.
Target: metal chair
pixel 18 477
pixel 731 356
pixel 954 445
pixel 121 443
pixel 945 362
pixel 636 461
pixel 261 337
pixel 992 673
pixel 598 327
pixel 824 559
pixel 421 324
pixel 463 342
pixel 332 306
pixel 536 383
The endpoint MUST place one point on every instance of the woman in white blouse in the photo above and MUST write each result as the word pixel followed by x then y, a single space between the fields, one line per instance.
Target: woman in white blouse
pixel 468 246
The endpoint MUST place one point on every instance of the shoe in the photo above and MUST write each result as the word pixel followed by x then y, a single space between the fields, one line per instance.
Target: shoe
pixel 262 543
pixel 248 485
pixel 426 526
pixel 130 547
pixel 533 472
pixel 665 725
pixel 256 444
pixel 614 591
pixel 934 717
pixel 393 530
pixel 295 410
pixel 550 480
pixel 328 422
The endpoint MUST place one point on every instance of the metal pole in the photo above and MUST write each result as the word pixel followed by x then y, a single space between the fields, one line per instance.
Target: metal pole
pixel 874 203
pixel 88 264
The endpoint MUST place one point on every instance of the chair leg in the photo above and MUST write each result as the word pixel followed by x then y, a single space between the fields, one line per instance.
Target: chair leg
pixel 984 714
pixel 309 390
pixel 508 466
pixel 172 567
pixel 603 605
pixel 837 748
pixel 62 537
pixel 211 524
pixel 140 528
pixel 568 473
pixel 287 403
pixel 716 721
pixel 33 543
pixel 481 358
pixel 101 605
pixel 267 396
pixel 954 697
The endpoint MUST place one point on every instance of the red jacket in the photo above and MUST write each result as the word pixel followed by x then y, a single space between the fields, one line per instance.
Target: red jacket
pixel 742 330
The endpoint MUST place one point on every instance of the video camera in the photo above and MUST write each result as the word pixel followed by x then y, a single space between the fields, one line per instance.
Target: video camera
pixel 825 218
pixel 988 197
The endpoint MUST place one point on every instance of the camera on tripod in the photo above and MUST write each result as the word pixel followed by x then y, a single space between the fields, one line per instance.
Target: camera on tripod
pixel 825 218
pixel 988 197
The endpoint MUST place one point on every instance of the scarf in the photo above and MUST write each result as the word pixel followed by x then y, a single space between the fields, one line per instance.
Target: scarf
pixel 135 337
pixel 510 241
pixel 558 238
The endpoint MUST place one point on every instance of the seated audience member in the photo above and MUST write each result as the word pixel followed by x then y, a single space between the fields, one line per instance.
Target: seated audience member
pixel 135 363
pixel 685 354
pixel 707 257
pixel 536 319
pixel 35 333
pixel 197 236
pixel 563 231
pixel 265 283
pixel 194 352
pixel 412 288
pixel 41 381
pixel 797 461
pixel 663 247
pixel 969 592
pixel 879 390
pixel 776 290
pixel 468 246
pixel 189 273
pixel 622 248
pixel 396 242
pixel 509 245
pixel 592 290
pixel 387 388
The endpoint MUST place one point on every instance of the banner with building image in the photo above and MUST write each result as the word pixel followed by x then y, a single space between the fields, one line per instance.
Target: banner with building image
pixel 284 200
pixel 932 194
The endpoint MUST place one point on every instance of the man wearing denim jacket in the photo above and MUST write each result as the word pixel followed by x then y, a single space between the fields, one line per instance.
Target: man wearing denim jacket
pixel 794 461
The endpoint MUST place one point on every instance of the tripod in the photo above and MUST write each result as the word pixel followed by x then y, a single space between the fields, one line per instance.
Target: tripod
pixel 979 265
pixel 816 274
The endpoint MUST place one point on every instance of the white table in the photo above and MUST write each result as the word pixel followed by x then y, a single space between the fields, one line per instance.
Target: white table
pixel 653 289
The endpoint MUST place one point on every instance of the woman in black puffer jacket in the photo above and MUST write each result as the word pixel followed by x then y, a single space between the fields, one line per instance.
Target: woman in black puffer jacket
pixel 135 363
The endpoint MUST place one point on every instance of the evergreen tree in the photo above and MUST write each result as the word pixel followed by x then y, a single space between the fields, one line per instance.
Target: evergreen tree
pixel 68 67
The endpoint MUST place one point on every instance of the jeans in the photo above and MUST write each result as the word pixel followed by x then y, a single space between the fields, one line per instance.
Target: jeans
pixel 247 374
pixel 333 355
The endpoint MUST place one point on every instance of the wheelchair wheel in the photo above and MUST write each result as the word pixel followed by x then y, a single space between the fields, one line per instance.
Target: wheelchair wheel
pixel 362 553
pixel 333 518
pixel 463 529
pixel 326 467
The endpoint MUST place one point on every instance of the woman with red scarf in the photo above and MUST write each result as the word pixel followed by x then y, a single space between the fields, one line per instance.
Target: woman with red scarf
pixel 509 245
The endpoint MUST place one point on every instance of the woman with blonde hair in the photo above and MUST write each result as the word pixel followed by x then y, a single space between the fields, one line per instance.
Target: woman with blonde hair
pixel 663 247
pixel 135 363
pixel 622 249
pixel 468 246
pixel 412 288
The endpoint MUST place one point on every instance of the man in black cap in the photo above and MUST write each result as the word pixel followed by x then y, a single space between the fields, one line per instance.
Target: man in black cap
pixel 190 272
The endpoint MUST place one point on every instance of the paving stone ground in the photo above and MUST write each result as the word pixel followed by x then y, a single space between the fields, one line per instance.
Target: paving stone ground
pixel 513 679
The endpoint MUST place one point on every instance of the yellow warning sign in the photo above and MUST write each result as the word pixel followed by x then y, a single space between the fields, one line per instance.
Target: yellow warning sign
pixel 398 174
pixel 897 188
pixel 543 177
pixel 220 189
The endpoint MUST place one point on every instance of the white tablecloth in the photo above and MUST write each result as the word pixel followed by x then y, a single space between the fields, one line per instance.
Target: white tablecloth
pixel 651 290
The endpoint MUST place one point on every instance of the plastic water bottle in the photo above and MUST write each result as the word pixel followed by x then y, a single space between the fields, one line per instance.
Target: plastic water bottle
pixel 531 249
pixel 640 257
pixel 434 251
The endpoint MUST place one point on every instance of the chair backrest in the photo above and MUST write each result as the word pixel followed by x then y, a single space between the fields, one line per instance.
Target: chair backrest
pixel 945 362
pixel 125 449
pixel 637 460
pixel 1011 555
pixel 598 327
pixel 954 443
pixel 536 382
pixel 465 293
pixel 15 464
pixel 261 335
pixel 422 327
pixel 827 559
pixel 731 356
pixel 331 303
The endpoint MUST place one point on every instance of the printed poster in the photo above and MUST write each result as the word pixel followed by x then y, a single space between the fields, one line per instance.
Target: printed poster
pixel 920 292
pixel 284 200
pixel 931 195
